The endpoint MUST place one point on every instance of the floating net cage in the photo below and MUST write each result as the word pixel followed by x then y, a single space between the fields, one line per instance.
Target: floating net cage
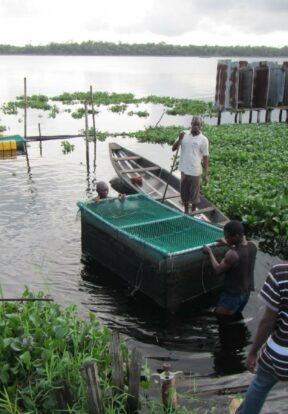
pixel 152 223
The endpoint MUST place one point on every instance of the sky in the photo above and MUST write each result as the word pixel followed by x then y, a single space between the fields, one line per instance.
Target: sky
pixel 180 22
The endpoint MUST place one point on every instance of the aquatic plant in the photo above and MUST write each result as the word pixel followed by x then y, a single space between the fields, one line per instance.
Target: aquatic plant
pixel 67 147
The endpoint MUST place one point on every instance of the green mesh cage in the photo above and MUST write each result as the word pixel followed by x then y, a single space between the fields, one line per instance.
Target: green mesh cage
pixel 153 224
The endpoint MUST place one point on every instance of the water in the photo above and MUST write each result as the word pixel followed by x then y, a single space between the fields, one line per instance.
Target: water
pixel 40 235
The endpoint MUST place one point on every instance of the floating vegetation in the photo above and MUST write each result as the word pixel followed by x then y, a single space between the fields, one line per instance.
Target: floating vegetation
pixel 54 111
pixel 141 114
pixel 120 108
pixel 67 147
pixel 2 128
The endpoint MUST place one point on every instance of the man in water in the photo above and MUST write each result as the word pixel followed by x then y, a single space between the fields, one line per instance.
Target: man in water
pixel 238 266
pixel 194 152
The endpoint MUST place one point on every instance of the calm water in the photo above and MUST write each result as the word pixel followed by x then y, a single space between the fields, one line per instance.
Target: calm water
pixel 40 238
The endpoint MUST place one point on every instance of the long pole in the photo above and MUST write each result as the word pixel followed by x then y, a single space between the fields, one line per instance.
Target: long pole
pixel 94 125
pixel 87 138
pixel 40 139
pixel 169 176
pixel 25 125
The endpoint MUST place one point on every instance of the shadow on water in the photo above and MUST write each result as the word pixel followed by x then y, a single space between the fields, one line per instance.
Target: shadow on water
pixel 217 347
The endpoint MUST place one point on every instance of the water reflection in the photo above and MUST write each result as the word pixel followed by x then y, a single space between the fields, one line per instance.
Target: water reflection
pixel 195 329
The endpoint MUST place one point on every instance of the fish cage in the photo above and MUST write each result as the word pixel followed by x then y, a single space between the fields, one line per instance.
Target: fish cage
pixel 242 86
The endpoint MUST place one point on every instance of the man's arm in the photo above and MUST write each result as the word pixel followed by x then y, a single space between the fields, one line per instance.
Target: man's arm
pixel 178 142
pixel 205 162
pixel 265 328
pixel 229 260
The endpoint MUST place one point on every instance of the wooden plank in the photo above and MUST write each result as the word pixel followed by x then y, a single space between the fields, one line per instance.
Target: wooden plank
pixel 133 401
pixel 117 364
pixel 132 170
pixel 202 211
pixel 127 158
pixel 90 375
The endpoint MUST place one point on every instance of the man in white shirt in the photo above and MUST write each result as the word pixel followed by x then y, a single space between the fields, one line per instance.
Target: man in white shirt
pixel 194 155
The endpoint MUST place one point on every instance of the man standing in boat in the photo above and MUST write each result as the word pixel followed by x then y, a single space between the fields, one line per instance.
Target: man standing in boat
pixel 194 154
pixel 238 266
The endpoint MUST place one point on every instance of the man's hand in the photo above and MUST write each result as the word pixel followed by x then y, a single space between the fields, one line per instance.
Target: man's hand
pixel 205 179
pixel 206 249
pixel 251 362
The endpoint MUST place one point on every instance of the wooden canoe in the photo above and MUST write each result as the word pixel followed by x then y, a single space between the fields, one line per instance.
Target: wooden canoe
pixel 141 175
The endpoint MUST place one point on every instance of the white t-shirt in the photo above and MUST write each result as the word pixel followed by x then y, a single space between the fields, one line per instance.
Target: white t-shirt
pixel 193 149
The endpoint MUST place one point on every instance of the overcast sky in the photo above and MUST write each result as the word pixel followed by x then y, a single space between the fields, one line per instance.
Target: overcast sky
pixel 183 22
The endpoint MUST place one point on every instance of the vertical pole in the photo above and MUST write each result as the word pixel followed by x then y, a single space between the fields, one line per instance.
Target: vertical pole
pixel 134 381
pixel 25 109
pixel 25 125
pixel 258 117
pixel 219 118
pixel 40 139
pixel 117 364
pixel 94 125
pixel 235 117
pixel 90 375
pixel 250 116
pixel 280 115
pixel 87 138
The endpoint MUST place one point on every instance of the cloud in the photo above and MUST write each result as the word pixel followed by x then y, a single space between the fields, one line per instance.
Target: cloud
pixel 249 16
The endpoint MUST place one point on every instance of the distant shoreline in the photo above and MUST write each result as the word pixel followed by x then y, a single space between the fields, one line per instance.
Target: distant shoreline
pixel 91 48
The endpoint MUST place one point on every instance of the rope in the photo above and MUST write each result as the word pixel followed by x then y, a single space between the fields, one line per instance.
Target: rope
pixel 138 280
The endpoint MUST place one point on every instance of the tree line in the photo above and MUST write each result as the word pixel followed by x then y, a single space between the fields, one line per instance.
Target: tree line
pixel 91 48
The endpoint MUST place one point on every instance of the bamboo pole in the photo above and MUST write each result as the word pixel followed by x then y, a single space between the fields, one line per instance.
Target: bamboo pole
pixel 94 125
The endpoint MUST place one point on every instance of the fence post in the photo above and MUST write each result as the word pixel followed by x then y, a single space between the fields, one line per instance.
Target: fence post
pixel 134 381
pixel 117 364
pixel 63 395
pixel 90 375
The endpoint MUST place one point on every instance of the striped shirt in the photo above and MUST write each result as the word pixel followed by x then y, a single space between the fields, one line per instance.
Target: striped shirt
pixel 274 355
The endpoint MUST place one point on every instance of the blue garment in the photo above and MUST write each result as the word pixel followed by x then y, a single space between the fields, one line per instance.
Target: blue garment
pixel 235 303
pixel 257 392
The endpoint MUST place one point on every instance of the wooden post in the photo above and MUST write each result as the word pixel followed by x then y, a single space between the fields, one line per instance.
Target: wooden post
pixel 134 381
pixel 40 139
pixel 94 125
pixel 250 116
pixel 25 108
pixel 258 116
pixel 286 115
pixel 25 126
pixel 87 139
pixel 63 395
pixel 117 364
pixel 90 375
pixel 235 117
pixel 240 117
pixel 219 118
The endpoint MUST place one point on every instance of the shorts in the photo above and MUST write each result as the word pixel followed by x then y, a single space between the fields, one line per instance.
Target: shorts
pixel 190 189
pixel 234 303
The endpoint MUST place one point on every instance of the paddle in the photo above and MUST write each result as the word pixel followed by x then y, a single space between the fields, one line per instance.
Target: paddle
pixel 171 171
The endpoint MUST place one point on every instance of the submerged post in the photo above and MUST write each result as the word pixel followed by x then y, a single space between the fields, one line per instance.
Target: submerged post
pixel 40 139
pixel 25 125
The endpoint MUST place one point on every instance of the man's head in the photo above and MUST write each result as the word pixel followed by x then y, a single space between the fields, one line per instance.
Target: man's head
pixel 102 189
pixel 196 125
pixel 233 232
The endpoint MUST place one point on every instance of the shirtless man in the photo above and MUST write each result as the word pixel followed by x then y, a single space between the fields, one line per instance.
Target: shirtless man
pixel 238 266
